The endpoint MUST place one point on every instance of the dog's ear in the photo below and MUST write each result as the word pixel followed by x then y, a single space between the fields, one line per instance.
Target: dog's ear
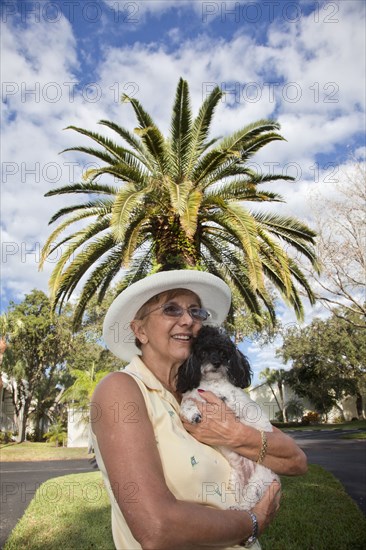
pixel 189 375
pixel 239 373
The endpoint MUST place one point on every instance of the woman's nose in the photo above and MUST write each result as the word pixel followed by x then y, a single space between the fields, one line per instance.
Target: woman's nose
pixel 186 318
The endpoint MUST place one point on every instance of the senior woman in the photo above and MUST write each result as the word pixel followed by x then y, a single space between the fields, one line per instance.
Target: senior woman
pixel 158 475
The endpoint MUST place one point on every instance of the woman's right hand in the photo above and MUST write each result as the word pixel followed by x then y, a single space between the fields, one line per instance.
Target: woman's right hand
pixel 268 506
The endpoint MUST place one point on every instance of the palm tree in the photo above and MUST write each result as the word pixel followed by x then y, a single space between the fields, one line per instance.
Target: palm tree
pixel 178 202
pixel 8 327
pixel 277 377
pixel 81 391
pixel 57 434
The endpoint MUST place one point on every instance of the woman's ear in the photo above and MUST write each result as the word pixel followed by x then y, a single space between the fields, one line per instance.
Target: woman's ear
pixel 138 329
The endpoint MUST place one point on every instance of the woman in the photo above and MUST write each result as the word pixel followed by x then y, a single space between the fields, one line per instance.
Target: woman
pixel 170 488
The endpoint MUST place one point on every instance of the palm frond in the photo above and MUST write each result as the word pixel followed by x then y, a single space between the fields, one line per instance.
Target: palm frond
pixel 47 249
pixel 88 187
pixel 71 276
pixel 200 129
pixel 98 207
pixel 150 134
pixel 108 144
pixel 180 130
pixel 127 199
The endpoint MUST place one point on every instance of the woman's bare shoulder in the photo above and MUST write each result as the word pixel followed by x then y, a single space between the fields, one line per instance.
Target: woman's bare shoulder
pixel 116 383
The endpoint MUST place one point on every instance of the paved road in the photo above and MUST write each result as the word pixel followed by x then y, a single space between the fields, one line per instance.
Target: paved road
pixel 20 480
pixel 344 458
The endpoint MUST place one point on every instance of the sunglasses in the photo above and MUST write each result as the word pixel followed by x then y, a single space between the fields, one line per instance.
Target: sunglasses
pixel 173 310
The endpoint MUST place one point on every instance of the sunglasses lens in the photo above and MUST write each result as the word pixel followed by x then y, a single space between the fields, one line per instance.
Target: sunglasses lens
pixel 172 311
pixel 199 313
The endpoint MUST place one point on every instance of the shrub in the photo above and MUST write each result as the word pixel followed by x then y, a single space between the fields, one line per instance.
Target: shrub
pixel 6 437
pixel 56 434
pixel 311 417
pixel 279 416
pixel 294 409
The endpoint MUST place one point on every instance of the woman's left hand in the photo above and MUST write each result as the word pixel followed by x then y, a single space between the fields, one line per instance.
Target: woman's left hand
pixel 218 425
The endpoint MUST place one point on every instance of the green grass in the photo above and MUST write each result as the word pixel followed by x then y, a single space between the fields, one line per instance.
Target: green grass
pixel 70 512
pixel 360 435
pixel 16 452
pixel 73 513
pixel 316 514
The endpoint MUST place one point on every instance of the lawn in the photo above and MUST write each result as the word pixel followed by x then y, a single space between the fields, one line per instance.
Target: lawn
pixel 47 451
pixel 355 425
pixel 73 512
pixel 28 451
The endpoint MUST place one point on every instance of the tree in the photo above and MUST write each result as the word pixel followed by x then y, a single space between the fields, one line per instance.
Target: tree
pixel 178 202
pixel 88 361
pixel 279 378
pixel 82 389
pixel 36 354
pixel 341 245
pixel 86 348
pixel 8 328
pixel 242 326
pixel 328 360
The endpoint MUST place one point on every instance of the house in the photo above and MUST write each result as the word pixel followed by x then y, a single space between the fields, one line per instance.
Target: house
pixel 263 395
pixel 7 410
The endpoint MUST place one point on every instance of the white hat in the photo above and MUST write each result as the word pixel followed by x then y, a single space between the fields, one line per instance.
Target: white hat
pixel 215 296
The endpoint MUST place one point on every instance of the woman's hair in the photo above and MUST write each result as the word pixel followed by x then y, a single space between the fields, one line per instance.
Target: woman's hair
pixel 168 295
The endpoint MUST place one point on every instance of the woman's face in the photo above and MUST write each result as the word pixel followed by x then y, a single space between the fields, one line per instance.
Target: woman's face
pixel 168 339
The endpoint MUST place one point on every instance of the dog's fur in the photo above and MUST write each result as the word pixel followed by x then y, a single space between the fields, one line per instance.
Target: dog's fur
pixel 216 365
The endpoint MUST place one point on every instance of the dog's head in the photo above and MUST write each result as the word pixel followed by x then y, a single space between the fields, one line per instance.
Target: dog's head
pixel 212 350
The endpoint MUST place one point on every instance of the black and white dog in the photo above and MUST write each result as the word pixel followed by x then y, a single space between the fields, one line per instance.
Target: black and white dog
pixel 216 365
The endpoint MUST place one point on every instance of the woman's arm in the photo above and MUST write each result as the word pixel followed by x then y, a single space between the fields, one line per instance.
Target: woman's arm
pixel 220 426
pixel 156 518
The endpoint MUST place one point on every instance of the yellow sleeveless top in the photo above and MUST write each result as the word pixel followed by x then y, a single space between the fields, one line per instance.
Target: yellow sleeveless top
pixel 193 471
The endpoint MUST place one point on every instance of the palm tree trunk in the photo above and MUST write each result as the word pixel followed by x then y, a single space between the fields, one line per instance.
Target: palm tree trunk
pixel 24 419
pixel 280 391
pixel 359 405
pixel 2 351
pixel 274 395
pixel 173 248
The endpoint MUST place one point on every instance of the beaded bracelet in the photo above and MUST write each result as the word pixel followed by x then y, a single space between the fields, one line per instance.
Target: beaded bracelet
pixel 253 537
pixel 263 451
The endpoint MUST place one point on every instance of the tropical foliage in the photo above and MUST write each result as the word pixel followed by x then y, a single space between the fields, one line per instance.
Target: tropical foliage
pixel 81 391
pixel 277 378
pixel 178 202
pixel 56 434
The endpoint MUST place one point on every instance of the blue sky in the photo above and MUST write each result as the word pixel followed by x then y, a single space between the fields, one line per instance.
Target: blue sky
pixel 68 62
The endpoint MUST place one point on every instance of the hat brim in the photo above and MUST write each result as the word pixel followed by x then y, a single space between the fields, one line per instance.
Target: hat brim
pixel 215 296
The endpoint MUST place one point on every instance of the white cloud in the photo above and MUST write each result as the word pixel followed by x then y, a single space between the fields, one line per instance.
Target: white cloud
pixel 45 57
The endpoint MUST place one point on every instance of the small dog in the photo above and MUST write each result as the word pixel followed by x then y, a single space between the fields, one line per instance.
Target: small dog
pixel 216 365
